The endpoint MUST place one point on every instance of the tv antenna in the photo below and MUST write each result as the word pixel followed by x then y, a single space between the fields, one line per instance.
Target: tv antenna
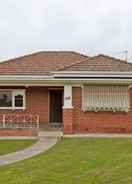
pixel 125 54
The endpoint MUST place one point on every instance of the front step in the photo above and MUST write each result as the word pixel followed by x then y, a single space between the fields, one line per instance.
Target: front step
pixel 50 134
pixel 50 128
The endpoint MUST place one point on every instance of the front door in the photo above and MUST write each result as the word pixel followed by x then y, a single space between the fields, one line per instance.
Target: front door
pixel 55 106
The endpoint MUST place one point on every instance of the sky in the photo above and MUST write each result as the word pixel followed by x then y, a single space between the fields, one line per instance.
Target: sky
pixel 88 26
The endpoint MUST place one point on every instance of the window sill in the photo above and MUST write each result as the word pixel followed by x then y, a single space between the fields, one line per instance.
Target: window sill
pixel 106 110
pixel 11 108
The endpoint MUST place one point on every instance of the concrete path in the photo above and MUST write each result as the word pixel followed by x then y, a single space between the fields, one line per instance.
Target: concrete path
pixel 43 144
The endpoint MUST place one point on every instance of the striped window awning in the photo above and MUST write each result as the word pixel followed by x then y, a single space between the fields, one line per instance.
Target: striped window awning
pixel 106 98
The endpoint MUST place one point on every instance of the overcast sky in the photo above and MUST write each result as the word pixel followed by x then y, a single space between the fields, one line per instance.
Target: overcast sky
pixel 87 26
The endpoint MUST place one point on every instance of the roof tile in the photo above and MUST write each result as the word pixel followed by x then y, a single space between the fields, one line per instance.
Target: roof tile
pixel 100 63
pixel 41 63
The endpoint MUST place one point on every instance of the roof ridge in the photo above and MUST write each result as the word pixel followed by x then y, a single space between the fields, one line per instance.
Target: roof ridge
pixel 94 57
pixel 74 52
pixel 72 64
pixel 110 57
pixel 113 58
pixel 20 57
pixel 40 52
pixel 117 60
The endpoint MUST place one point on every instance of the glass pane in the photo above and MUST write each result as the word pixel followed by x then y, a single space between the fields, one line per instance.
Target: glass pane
pixel 5 98
pixel 19 101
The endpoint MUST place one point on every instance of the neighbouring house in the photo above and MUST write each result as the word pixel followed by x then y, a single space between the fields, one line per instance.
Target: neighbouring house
pixel 80 93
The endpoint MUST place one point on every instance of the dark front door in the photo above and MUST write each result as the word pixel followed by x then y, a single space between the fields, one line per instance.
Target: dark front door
pixel 55 106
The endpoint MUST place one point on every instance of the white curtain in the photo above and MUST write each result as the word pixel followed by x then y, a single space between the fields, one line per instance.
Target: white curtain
pixel 105 98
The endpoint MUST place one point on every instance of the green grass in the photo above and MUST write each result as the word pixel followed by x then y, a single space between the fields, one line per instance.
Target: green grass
pixel 8 146
pixel 75 161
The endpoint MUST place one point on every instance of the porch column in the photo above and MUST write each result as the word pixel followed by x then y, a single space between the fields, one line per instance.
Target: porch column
pixel 68 110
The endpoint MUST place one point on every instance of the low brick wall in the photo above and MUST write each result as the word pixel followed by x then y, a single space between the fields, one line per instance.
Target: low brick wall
pixel 19 132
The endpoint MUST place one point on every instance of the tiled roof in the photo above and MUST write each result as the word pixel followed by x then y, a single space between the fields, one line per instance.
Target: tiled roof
pixel 41 63
pixel 100 63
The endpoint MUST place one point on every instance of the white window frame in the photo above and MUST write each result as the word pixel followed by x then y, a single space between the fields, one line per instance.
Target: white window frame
pixel 14 93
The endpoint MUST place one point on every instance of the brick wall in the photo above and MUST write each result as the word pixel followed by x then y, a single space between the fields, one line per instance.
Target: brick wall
pixel 68 121
pixel 18 132
pixel 75 120
pixel 36 102
pixel 109 122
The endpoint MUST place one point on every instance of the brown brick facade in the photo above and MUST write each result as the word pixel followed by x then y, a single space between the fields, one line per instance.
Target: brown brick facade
pixel 74 120
pixel 36 103
pixel 19 132
pixel 68 121
pixel 99 122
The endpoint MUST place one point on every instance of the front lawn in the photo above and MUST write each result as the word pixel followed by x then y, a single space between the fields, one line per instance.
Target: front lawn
pixel 75 161
pixel 8 146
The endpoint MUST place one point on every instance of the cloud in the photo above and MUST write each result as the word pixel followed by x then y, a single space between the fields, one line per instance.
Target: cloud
pixel 91 27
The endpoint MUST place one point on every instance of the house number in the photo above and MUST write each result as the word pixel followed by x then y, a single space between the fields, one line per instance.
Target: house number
pixel 67 98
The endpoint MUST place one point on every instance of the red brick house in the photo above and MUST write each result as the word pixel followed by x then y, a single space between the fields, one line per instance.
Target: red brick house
pixel 80 93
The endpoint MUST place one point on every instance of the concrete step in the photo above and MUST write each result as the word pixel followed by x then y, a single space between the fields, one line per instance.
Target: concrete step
pixel 50 128
pixel 50 134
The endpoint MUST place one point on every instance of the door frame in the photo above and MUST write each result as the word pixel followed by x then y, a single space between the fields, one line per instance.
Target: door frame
pixel 54 89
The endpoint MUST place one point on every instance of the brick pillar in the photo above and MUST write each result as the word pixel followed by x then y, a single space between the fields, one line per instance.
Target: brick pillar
pixel 68 110
pixel 68 121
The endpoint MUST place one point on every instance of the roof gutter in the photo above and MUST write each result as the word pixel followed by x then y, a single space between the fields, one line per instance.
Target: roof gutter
pixel 63 81
pixel 112 78
pixel 87 74
pixel 68 74
pixel 91 72
pixel 25 77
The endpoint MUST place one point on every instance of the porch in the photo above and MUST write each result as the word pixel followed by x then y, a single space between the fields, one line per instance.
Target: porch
pixel 26 110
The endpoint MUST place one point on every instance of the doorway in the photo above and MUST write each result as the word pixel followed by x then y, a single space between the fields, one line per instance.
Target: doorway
pixel 55 97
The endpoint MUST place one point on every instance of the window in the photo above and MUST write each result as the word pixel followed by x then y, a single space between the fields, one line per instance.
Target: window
pixel 5 99
pixel 12 99
pixel 19 101
pixel 105 98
